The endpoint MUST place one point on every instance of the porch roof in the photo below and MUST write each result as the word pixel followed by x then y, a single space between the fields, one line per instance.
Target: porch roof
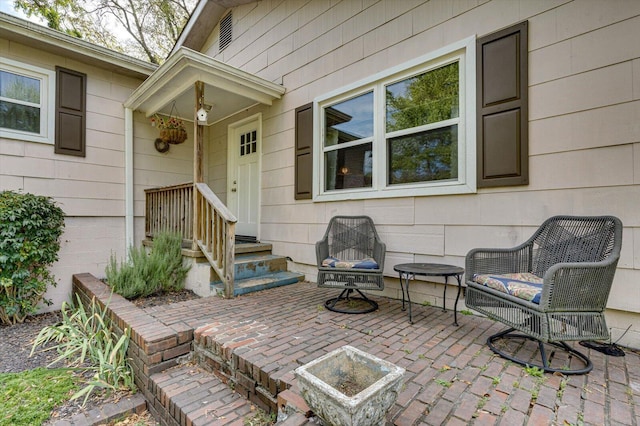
pixel 227 89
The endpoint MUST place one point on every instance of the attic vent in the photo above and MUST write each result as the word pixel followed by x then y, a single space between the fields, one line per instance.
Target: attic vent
pixel 226 31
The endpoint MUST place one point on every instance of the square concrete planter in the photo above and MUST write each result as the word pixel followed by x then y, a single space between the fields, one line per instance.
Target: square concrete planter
pixel 350 387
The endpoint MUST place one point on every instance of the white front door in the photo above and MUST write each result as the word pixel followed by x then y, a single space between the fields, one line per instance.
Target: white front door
pixel 243 175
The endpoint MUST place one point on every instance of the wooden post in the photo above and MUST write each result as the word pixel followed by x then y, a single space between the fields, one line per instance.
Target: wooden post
pixel 198 153
pixel 229 256
pixel 198 136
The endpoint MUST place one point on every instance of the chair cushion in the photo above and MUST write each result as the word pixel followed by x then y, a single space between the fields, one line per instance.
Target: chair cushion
pixel 525 285
pixel 332 262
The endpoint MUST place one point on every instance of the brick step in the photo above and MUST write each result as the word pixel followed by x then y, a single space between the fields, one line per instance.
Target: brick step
pixel 107 413
pixel 187 394
pixel 226 348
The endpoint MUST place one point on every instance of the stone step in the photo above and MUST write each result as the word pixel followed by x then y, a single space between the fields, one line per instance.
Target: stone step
pixel 252 265
pixel 262 282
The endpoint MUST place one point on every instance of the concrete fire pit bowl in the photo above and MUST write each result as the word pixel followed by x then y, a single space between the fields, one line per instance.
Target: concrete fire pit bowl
pixel 349 387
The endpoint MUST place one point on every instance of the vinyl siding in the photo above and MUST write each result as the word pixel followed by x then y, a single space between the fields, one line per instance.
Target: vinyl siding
pixel 90 190
pixel 584 110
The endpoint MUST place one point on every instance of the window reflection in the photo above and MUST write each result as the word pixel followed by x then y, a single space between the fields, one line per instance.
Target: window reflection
pixel 424 99
pixel 19 87
pixel 349 167
pixel 349 120
pixel 423 157
pixel 20 103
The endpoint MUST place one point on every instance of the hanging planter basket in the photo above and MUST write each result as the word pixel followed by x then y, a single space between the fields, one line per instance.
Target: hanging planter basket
pixel 174 136
pixel 172 130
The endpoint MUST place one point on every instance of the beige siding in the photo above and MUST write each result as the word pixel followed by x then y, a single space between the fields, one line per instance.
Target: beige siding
pixel 84 186
pixel 86 246
pixel 584 114
pixel 154 169
pixel 91 189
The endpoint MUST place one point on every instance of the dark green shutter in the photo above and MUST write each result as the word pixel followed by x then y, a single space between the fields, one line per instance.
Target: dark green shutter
pixel 304 152
pixel 502 110
pixel 71 114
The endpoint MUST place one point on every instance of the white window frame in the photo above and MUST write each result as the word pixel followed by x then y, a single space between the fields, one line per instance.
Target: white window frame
pixel 463 52
pixel 47 80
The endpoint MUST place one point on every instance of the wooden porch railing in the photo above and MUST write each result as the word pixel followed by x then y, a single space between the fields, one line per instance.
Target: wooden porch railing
pixel 171 208
pixel 215 234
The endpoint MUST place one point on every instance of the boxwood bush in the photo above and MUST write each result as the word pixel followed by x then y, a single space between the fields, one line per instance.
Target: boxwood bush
pixel 30 228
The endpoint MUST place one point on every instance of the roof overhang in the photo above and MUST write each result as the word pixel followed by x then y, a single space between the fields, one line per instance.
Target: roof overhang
pixel 56 42
pixel 228 89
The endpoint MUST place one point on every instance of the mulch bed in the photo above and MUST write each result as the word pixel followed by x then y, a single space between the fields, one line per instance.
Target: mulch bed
pixel 165 299
pixel 16 342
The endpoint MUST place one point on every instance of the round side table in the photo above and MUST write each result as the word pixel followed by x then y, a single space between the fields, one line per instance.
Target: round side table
pixel 409 271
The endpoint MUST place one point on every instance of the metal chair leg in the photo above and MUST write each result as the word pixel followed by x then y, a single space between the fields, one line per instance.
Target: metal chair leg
pixel 345 297
pixel 544 365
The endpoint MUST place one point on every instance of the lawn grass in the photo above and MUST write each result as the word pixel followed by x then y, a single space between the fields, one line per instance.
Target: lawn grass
pixel 28 397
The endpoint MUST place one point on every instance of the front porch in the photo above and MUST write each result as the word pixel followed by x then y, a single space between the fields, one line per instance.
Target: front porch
pixel 219 265
pixel 246 350
pixel 209 92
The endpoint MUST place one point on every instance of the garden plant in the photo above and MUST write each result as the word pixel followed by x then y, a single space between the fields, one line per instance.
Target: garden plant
pixel 144 274
pixel 85 338
pixel 30 229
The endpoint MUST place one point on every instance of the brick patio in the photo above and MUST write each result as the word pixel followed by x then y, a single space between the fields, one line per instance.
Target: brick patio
pixel 254 342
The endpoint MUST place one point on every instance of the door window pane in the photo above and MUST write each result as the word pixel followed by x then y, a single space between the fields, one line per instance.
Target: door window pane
pixel 349 167
pixel 349 120
pixel 423 99
pixel 248 143
pixel 423 157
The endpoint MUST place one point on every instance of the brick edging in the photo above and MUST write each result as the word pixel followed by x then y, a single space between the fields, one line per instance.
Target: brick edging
pixel 134 404
pixel 153 347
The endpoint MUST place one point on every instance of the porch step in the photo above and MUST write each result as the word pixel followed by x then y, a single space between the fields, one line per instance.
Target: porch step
pixel 252 248
pixel 261 282
pixel 256 269
pixel 251 265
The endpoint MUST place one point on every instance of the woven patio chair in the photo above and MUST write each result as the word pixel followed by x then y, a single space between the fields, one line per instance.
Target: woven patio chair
pixel 351 257
pixel 551 289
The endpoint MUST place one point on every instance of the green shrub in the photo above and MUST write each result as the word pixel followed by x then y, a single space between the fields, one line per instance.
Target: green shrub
pixel 30 228
pixel 146 274
pixel 87 334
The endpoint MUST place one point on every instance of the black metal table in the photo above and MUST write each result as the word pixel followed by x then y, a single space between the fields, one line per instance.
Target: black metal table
pixel 409 271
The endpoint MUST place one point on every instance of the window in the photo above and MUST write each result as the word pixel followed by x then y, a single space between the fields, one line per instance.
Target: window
pixel 348 136
pixel 407 131
pixel 26 102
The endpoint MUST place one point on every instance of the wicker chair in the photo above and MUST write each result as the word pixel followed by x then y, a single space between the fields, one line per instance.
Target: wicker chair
pixel 351 257
pixel 552 288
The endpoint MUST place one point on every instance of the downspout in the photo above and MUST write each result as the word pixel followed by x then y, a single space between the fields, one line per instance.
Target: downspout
pixel 128 179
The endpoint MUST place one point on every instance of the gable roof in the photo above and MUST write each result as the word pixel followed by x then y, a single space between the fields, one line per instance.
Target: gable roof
pixel 227 89
pixel 203 20
pixel 56 42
